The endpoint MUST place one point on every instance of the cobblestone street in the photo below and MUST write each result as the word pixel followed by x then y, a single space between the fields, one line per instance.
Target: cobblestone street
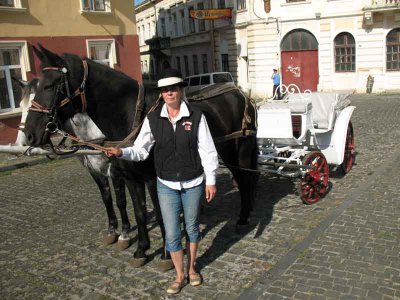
pixel 347 246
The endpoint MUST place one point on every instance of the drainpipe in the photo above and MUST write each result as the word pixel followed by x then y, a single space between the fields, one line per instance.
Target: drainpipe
pixel 212 39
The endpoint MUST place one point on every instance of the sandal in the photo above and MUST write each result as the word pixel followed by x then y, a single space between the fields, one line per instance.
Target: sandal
pixel 176 287
pixel 195 279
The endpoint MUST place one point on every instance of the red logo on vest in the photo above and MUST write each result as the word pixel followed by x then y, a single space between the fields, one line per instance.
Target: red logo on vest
pixel 188 125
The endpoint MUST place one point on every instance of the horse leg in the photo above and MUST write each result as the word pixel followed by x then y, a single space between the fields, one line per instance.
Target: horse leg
pixel 247 180
pixel 104 187
pixel 166 263
pixel 119 189
pixel 138 195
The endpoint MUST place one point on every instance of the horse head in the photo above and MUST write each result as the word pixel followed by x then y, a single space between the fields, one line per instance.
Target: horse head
pixel 60 84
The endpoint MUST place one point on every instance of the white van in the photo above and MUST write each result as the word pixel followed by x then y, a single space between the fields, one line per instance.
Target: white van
pixel 200 81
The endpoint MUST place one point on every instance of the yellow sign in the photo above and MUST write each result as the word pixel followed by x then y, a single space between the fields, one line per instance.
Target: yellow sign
pixel 211 14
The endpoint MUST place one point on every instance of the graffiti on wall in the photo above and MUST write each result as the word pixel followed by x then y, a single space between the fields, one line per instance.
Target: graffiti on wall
pixel 296 71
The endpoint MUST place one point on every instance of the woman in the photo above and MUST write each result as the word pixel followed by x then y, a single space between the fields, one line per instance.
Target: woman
pixel 184 152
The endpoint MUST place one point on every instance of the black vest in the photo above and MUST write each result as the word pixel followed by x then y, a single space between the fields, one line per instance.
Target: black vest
pixel 176 154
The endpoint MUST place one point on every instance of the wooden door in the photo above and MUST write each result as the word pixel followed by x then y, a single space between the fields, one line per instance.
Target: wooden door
pixel 301 68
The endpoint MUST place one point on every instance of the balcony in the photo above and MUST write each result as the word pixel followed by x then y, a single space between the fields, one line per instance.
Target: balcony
pixel 382 5
pixel 158 46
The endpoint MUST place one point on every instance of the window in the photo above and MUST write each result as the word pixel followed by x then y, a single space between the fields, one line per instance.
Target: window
pixel 170 24
pixel 221 4
pixel 163 29
pixel 143 35
pixel 194 81
pixel 191 21
pixel 393 50
pixel 148 33
pixel 202 23
pixel 12 5
pixel 299 39
pixel 345 53
pixel 205 63
pixel 220 78
pixel 11 66
pixel 102 51
pixel 8 3
pixel 140 38
pixel 185 58
pixel 224 63
pixel 178 63
pixel 182 12
pixel 96 5
pixel 175 24
pixel 151 70
pixel 241 4
pixel 195 64
pixel 205 80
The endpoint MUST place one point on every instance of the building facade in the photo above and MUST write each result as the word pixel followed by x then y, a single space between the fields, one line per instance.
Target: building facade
pixel 320 45
pixel 103 30
pixel 168 37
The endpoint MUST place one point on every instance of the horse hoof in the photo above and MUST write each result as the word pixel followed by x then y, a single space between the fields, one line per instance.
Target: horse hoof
pixel 123 244
pixel 110 239
pixel 138 262
pixel 165 265
pixel 242 227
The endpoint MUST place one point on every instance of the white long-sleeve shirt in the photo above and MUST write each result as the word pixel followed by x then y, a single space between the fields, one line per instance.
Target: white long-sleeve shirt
pixel 208 154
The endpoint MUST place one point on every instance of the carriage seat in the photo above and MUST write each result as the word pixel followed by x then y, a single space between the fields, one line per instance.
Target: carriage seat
pixel 296 107
pixel 324 107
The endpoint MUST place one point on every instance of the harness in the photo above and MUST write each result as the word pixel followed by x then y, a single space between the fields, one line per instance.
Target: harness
pixel 219 89
pixel 52 127
pixel 80 91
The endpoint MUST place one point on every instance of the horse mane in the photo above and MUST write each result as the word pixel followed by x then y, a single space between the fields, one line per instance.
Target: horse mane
pixel 115 90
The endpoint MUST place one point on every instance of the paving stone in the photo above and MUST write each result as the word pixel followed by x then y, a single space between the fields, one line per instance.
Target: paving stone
pixel 53 221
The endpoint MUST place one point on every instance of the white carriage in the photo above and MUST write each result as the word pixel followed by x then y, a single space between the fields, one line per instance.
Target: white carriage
pixel 304 136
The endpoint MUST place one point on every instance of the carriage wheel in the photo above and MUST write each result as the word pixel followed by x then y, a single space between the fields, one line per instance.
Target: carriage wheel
pixel 314 184
pixel 349 151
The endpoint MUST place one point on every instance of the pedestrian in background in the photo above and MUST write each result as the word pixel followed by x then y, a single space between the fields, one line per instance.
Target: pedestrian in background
pixel 276 78
pixel 183 153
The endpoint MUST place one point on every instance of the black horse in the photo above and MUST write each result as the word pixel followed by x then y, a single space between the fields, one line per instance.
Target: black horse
pixel 110 100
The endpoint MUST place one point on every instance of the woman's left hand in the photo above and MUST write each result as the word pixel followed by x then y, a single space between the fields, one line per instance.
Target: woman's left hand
pixel 211 190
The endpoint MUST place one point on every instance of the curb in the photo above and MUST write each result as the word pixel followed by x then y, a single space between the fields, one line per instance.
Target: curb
pixel 23 164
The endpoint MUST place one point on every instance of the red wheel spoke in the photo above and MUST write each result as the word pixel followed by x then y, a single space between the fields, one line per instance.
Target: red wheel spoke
pixel 312 186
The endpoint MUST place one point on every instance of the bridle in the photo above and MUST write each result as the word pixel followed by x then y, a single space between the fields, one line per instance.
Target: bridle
pixel 51 126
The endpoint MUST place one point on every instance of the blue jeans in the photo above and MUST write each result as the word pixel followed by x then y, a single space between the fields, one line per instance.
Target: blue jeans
pixel 172 204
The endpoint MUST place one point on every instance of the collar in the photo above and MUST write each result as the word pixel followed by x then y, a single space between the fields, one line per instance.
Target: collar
pixel 183 111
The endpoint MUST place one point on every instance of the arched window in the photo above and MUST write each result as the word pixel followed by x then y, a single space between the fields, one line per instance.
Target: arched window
pixel 299 40
pixel 345 53
pixel 393 50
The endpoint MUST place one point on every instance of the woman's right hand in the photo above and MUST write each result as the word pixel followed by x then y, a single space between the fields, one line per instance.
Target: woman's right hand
pixel 111 151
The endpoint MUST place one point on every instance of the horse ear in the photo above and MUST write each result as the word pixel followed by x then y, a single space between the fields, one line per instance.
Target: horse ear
pixel 38 52
pixel 22 83
pixel 48 58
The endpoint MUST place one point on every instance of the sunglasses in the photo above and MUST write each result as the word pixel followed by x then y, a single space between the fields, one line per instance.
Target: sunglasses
pixel 173 88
